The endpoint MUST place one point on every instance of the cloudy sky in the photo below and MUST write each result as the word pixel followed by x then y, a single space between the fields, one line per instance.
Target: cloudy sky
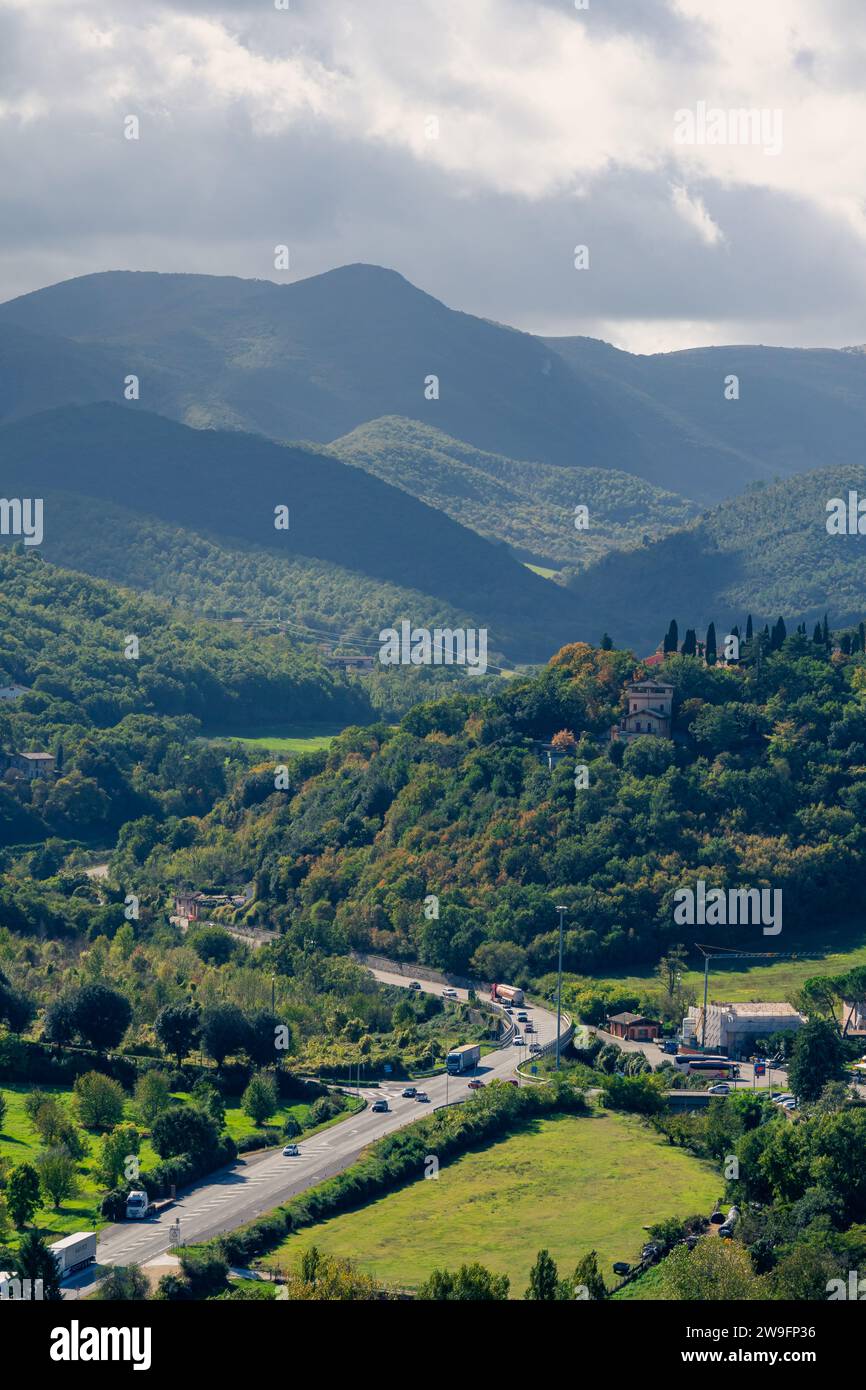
pixel 469 144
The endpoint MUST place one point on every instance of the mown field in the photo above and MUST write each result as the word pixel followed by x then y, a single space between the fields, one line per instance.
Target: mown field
pixel 20 1143
pixel 743 981
pixel 571 1184
pixel 284 741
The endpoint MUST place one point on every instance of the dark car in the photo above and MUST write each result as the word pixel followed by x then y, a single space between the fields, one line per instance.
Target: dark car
pixel 475 1084
pixel 408 1093
pixel 414 985
pixel 379 1105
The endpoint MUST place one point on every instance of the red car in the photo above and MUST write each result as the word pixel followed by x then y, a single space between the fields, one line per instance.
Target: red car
pixel 475 1085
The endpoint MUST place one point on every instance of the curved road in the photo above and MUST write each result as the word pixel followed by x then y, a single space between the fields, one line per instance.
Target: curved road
pixel 260 1183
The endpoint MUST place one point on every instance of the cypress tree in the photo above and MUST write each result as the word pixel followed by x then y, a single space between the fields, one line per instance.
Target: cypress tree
pixel 672 638
pixel 689 642
pixel 749 632
pixel 710 649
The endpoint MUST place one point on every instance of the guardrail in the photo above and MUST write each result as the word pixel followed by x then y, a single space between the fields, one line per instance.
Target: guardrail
pixel 548 1048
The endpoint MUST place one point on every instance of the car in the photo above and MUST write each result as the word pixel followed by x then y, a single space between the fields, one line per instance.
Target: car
pixel 620 1267
pixel 518 1041
pixel 509 1008
pixel 529 1027
pixel 522 1016
pixel 720 1090
pixel 535 1047
pixel 783 1098
pixel 408 1093
pixel 291 1151
pixel 414 984
pixel 422 1096
pixel 509 1081
pixel 379 1105
pixel 789 1104
pixel 449 994
pixel 475 1084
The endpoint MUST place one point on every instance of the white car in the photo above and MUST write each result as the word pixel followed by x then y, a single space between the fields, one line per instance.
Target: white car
pixel 783 1098
pixel 449 994
pixel 518 1041
pixel 291 1151
pixel 720 1090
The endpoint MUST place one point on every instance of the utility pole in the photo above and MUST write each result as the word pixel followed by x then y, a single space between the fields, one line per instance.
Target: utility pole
pixel 561 911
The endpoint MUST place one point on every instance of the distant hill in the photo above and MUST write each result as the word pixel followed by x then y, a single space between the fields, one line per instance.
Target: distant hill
pixel 530 506
pixel 798 408
pixel 227 485
pixel 767 552
pixel 317 358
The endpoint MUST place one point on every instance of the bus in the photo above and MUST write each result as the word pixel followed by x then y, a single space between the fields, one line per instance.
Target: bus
pixel 698 1064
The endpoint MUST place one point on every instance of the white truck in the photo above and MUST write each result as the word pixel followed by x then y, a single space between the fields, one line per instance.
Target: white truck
pixel 74 1252
pixel 138 1205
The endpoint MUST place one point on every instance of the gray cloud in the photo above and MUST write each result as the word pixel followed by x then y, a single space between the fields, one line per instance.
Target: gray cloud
pixel 221 175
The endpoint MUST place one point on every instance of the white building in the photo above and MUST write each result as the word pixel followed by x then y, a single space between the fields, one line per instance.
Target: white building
pixel 731 1028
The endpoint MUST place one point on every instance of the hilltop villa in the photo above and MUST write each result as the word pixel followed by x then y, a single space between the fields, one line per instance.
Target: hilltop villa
pixel 649 707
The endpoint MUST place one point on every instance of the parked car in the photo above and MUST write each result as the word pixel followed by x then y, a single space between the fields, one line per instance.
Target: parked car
pixel 408 1093
pixel 782 1098
pixel 620 1267
pixel 720 1090
pixel 422 1096
pixel 291 1151
pixel 475 1084
pixel 380 1105
pixel 789 1105
pixel 414 984
pixel 449 994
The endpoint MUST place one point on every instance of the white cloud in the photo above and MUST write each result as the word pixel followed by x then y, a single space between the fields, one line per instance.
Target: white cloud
pixel 555 127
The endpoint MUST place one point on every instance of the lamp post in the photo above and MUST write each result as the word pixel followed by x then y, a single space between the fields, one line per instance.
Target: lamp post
pixel 561 911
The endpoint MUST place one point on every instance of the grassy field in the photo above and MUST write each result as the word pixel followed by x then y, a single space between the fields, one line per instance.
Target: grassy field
pixel 19 1143
pixel 540 569
pixel 569 1183
pixel 742 981
pixel 282 742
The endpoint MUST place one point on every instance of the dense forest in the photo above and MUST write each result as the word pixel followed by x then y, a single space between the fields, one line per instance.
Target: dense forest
pixel 763 785
pixel 125 729
pixel 529 506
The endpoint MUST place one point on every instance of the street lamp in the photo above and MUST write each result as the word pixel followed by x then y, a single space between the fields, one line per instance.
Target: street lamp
pixel 561 911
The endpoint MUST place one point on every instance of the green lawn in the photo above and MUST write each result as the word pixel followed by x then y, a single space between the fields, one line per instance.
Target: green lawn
pixel 569 1183
pixel 743 981
pixel 297 739
pixel 540 569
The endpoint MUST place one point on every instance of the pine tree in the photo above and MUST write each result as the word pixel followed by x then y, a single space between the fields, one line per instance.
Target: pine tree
pixel 826 632
pixel 710 649
pixel 606 642
pixel 749 631
pixel 817 636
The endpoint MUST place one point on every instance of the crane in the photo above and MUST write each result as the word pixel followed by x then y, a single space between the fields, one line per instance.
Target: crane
pixel 730 953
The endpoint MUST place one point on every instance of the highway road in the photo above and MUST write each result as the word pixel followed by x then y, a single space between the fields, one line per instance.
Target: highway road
pixel 259 1183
